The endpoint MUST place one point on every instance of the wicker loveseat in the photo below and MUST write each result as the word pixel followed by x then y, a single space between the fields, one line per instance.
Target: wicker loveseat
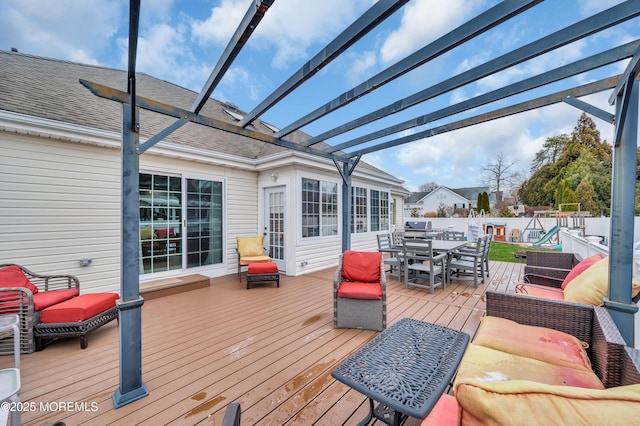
pixel 26 293
pixel 495 384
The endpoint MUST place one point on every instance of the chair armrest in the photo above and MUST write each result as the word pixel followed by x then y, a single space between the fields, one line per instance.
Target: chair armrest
pixel 607 349
pixel 18 301
pixel 440 257
pixel 573 318
pixel 51 282
pixel 543 280
pixel 232 415
pixel 631 367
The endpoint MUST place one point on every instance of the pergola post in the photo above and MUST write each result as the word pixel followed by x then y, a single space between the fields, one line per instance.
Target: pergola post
pixel 346 206
pixel 130 304
pixel 623 187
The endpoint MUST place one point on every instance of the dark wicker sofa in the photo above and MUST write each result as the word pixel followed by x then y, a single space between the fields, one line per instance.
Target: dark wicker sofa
pixel 21 300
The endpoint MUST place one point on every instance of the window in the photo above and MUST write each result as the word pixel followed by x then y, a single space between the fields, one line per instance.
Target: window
pixel 379 211
pixel 358 210
pixel 319 208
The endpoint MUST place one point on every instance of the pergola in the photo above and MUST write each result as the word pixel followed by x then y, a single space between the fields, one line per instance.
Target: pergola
pixel 346 155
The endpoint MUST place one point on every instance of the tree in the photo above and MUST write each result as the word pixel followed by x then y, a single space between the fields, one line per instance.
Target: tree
pixel 587 198
pixel 428 187
pixel 551 150
pixel 501 174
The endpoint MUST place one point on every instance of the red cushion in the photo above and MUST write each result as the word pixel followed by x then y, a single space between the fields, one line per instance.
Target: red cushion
pixel 540 291
pixel 79 308
pixel 45 299
pixel 358 290
pixel 12 276
pixel 164 232
pixel 444 413
pixel 579 268
pixel 262 268
pixel 363 266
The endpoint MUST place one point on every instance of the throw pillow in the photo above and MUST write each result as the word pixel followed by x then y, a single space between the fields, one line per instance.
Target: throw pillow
pixel 362 266
pixel 580 268
pixel 593 284
pixel 12 276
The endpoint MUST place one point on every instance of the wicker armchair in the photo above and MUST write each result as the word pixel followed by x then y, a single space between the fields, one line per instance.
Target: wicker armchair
pixel 359 291
pixel 18 295
pixel 549 268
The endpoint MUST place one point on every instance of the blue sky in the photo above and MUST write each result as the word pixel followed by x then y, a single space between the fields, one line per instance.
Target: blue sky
pixel 181 40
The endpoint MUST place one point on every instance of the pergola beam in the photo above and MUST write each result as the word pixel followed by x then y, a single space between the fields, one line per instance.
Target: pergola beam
pixel 380 11
pixel 579 30
pixel 476 26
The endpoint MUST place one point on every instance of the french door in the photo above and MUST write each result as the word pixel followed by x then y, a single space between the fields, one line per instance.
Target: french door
pixel 275 225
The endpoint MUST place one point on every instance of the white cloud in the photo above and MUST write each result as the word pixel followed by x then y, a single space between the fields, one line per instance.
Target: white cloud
pixel 221 23
pixel 362 65
pixel 424 21
pixel 65 29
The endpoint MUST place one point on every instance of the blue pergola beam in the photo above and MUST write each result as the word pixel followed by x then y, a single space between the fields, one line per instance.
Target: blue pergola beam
pixel 476 26
pixel 579 30
pixel 251 19
pixel 590 109
pixel 540 102
pixel 380 11
pixel 604 58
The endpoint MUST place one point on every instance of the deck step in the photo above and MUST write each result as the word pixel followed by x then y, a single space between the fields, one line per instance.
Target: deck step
pixel 168 286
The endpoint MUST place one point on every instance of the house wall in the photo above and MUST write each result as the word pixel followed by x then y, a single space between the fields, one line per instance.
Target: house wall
pixel 432 202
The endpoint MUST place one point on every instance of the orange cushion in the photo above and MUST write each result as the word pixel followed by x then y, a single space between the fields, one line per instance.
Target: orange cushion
pixel 363 266
pixel 79 308
pixel 579 268
pixel 540 291
pixel 12 276
pixel 444 413
pixel 358 290
pixel 45 299
pixel 522 402
pixel 491 365
pixel 247 260
pixel 543 344
pixel 262 268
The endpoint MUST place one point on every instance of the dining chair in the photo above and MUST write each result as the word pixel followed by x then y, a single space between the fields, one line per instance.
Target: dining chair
pixel 469 262
pixel 421 265
pixel 391 255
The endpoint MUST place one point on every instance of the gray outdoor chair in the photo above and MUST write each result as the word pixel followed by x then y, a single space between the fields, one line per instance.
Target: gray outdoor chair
pixel 469 262
pixel 422 268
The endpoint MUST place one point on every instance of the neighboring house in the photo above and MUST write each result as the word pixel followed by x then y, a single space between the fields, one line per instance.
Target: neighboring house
pixel 419 203
pixel 200 188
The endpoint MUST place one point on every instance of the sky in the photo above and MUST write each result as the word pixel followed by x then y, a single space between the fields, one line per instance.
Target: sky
pixel 180 41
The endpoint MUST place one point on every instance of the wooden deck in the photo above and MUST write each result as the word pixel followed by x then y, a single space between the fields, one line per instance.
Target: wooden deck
pixel 271 349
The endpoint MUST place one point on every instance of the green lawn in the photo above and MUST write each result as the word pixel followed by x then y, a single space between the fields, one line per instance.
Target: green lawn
pixel 504 252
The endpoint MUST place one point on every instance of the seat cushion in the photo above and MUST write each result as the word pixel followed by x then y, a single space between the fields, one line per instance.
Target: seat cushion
pixel 360 290
pixel 593 284
pixel 540 291
pixel 45 299
pixel 251 246
pixel 543 344
pixel 522 402
pixel 362 266
pixel 263 268
pixel 247 260
pixel 487 364
pixel 444 413
pixel 79 308
pixel 12 276
pixel 580 268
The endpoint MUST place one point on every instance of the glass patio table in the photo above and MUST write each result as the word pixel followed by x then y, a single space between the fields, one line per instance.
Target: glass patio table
pixel 406 369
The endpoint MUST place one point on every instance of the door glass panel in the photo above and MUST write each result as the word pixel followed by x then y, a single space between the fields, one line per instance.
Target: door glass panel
pixel 276 225
pixel 204 222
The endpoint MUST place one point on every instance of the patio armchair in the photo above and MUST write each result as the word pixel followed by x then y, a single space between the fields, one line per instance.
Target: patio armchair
pixel 25 293
pixel 549 267
pixel 422 265
pixel 359 291
pixel 391 255
pixel 250 250
pixel 453 235
pixel 470 262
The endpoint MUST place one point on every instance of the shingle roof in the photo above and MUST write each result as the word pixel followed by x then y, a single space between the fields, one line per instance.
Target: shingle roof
pixel 50 88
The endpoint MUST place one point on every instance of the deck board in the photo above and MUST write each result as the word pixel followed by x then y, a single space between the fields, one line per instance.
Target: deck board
pixel 271 349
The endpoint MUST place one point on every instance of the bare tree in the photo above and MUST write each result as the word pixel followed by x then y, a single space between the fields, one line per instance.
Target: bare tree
pixel 501 174
pixel 428 187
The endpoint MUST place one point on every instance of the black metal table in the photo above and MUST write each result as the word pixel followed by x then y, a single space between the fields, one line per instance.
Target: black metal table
pixel 406 369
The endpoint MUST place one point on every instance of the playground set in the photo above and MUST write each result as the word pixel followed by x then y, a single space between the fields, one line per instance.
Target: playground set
pixel 537 235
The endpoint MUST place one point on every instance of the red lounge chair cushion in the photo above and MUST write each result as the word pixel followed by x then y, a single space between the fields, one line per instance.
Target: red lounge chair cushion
pixel 540 291
pixel 444 413
pixel 579 268
pixel 79 308
pixel 12 276
pixel 361 266
pixel 49 298
pixel 359 290
pixel 543 344
pixel 263 268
